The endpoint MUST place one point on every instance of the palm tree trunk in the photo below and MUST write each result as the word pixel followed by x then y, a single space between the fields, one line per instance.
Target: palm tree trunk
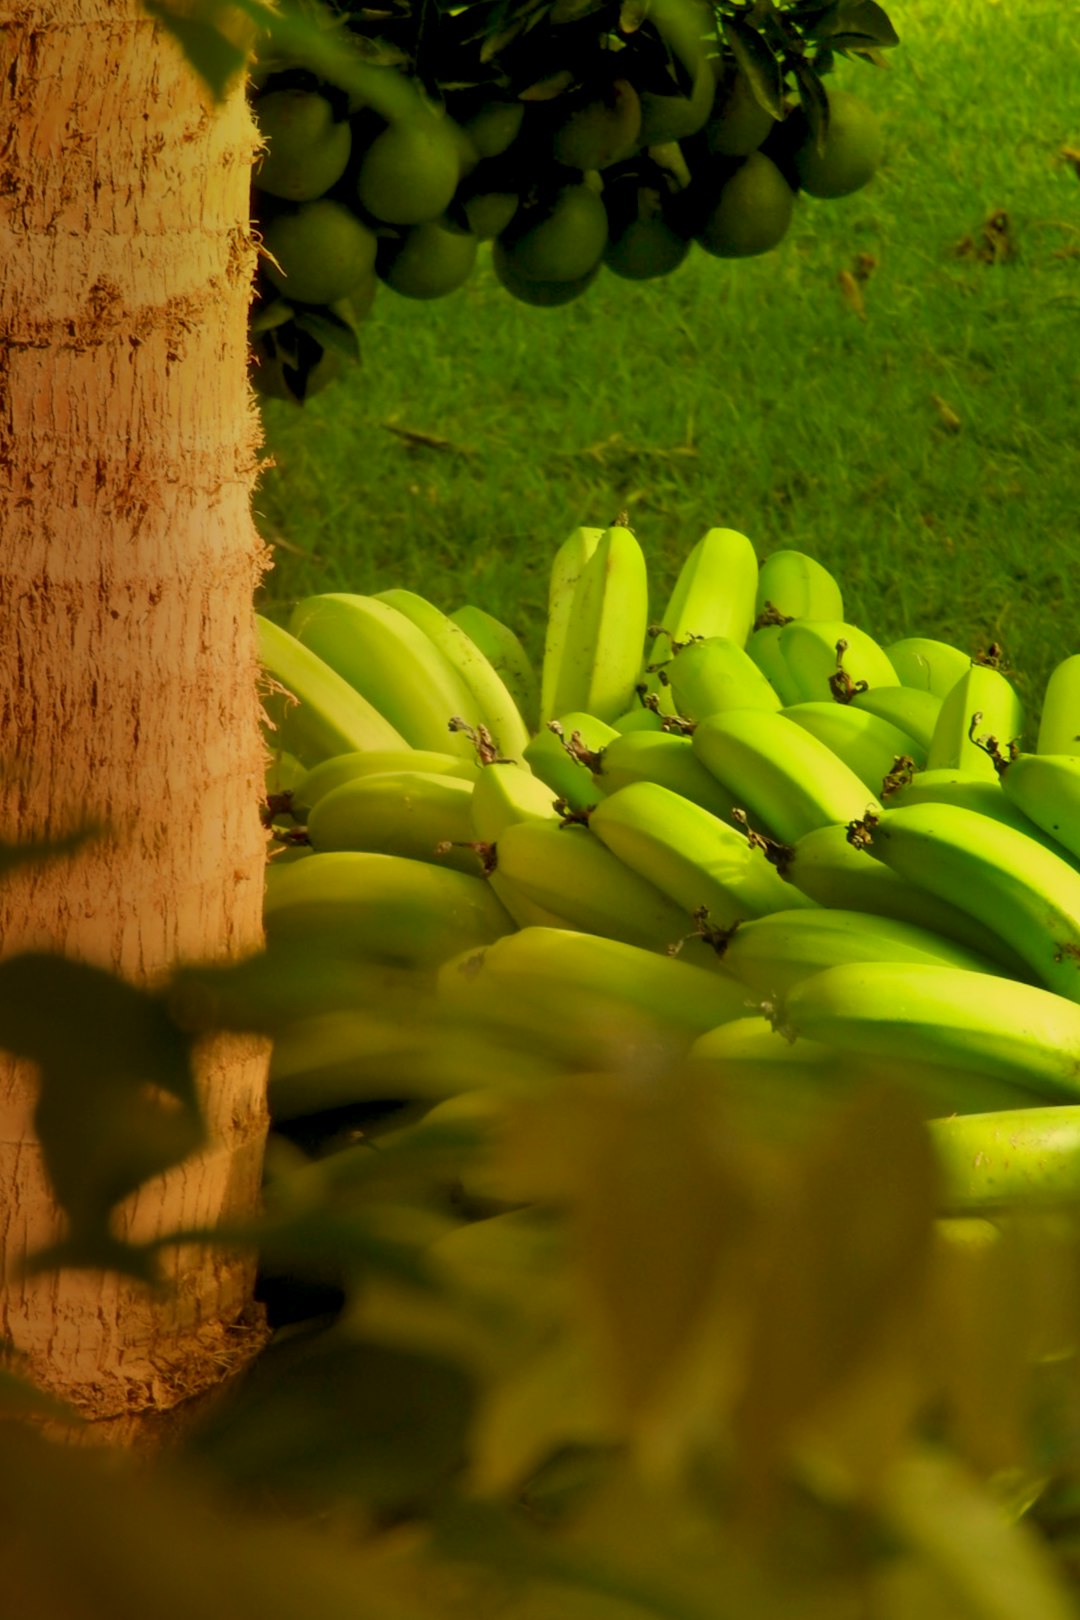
pixel 128 558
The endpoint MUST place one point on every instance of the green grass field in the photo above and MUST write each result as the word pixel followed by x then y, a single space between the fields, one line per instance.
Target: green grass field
pixel 928 454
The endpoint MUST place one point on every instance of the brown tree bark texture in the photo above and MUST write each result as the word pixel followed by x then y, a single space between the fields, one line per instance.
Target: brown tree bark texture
pixel 128 558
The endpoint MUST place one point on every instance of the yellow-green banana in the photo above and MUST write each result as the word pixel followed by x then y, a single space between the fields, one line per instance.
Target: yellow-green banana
pixel 409 813
pixel 664 757
pixel 494 701
pixel 391 663
pixel 972 792
pixel 982 704
pixel 567 775
pixel 908 707
pixel 763 646
pixel 571 873
pixel 926 664
pixel 688 854
pixel 771 953
pixel 825 865
pixel 504 650
pixel 566 571
pixel 1026 1156
pixel 868 745
pixel 639 718
pixel 329 716
pixel 381 908
pixel 329 774
pixel 1018 1033
pixel 796 586
pixel 1045 789
pixel 1059 723
pixel 505 792
pixel 1018 890
pixel 601 653
pixel 785 779
pixel 708 676
pixel 713 594
pixel 829 658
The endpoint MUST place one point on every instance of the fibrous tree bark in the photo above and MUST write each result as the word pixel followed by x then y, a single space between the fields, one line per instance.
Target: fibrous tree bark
pixel 128 558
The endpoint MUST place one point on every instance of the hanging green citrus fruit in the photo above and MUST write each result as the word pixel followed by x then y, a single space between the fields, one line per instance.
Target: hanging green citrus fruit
pixel 751 213
pixel 560 242
pixel 490 212
pixel 494 126
pixel 739 122
pixel 541 294
pixel 642 242
pixel 675 117
pixel 428 261
pixel 307 151
pixel 596 130
pixel 410 171
pixel 854 147
pixel 323 252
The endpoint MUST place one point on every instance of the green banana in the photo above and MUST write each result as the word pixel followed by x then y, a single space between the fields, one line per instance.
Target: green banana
pixel 981 704
pixel 913 710
pixel 566 571
pixel 769 954
pixel 1045 788
pixel 688 854
pixel 868 745
pixel 1025 1156
pixel 411 813
pixel 323 778
pixel 329 716
pixel 570 872
pixel 380 908
pixel 972 793
pixel 639 718
pixel 392 664
pixel 713 595
pixel 926 664
pixel 998 1028
pixel 504 650
pixel 504 793
pixel 494 701
pixel 825 865
pixel 709 676
pixel 763 646
pixel 785 1086
pixel 600 658
pixel 827 657
pixel 785 779
pixel 283 774
pixel 562 770
pixel 582 993
pixel 1018 890
pixel 664 757
pixel 797 586
pixel 1059 723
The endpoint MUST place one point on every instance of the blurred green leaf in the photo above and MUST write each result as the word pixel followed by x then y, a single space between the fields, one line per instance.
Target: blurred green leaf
pixel 757 63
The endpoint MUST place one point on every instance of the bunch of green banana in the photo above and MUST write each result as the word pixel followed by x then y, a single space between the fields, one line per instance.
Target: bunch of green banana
pixel 754 819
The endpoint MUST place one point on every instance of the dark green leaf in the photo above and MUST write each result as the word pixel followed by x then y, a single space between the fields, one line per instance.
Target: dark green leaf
pixel 814 100
pixel 863 18
pixel 330 331
pixel 757 63
pixel 202 34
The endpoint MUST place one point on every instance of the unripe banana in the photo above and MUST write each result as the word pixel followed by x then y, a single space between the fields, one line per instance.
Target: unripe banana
pixel 329 716
pixel 1059 724
pixel 709 676
pixel 907 707
pixel 981 704
pixel 927 665
pixel 569 777
pixel 393 664
pixel 868 745
pixel 828 658
pixel 787 781
pixel 381 908
pixel 763 646
pixel 601 653
pixel 413 813
pixel 1026 1157
pixel 713 595
pixel 666 758
pixel 796 586
pixel 566 571
pixel 494 702
pixel 971 792
pixel 504 793
pixel 329 774
pixel 1045 789
pixel 504 650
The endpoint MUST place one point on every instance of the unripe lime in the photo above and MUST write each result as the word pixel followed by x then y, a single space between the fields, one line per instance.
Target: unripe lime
pixel 565 241
pixel 307 151
pixel 739 122
pixel 410 171
pixel 596 131
pixel 323 250
pixel 495 126
pixel 647 246
pixel 674 118
pixel 428 261
pixel 751 213
pixel 490 212
pixel 854 147
pixel 542 294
